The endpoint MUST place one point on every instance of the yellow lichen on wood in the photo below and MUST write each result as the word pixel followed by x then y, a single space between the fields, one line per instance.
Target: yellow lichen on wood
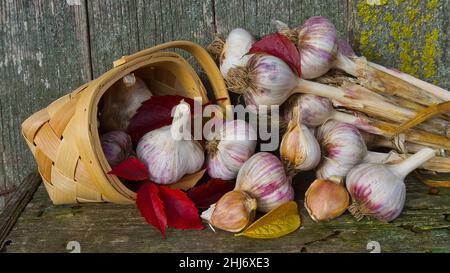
pixel 410 39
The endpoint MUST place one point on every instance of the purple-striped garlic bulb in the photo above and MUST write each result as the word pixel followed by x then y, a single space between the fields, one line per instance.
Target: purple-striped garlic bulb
pixel 342 148
pixel 121 102
pixel 233 145
pixel 235 49
pixel 378 190
pixel 170 152
pixel 299 149
pixel 319 46
pixel 116 146
pixel 264 178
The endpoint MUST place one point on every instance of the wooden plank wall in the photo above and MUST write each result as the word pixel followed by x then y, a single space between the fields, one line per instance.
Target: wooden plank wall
pixel 49 47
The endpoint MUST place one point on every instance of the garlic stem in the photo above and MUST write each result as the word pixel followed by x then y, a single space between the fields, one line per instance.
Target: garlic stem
pixel 425 86
pixel 344 63
pixel 376 157
pixel 403 168
pixel 357 98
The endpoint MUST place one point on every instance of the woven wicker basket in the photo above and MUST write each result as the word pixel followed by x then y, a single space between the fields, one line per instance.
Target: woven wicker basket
pixel 64 138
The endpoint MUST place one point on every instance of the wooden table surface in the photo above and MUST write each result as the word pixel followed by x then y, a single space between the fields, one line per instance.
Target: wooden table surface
pixel 424 226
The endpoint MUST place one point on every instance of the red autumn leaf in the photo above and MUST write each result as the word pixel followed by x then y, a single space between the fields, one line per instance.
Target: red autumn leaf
pixel 151 206
pixel 154 113
pixel 180 210
pixel 209 193
pixel 279 46
pixel 131 169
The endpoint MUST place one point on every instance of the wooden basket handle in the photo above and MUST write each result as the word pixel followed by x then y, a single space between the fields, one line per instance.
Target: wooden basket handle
pixel 201 56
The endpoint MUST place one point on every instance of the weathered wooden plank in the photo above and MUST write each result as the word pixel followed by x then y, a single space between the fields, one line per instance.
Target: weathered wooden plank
pixel 17 204
pixel 43 55
pixel 424 226
pixel 256 15
pixel 124 27
pixel 410 35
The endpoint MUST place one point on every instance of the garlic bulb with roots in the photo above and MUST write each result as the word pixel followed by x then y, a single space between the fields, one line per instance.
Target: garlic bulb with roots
pixel 263 177
pixel 268 81
pixel 116 146
pixel 378 190
pixel 234 144
pixel 299 149
pixel 170 152
pixel 342 148
pixel 121 102
pixel 233 51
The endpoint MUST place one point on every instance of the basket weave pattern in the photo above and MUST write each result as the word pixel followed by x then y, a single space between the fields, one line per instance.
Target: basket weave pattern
pixel 64 139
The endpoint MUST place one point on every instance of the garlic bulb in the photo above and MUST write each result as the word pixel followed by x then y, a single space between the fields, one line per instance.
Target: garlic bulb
pixel 234 211
pixel 342 148
pixel 264 178
pixel 378 190
pixel 116 146
pixel 314 110
pixel 319 47
pixel 237 45
pixel 167 153
pixel 299 149
pixel 227 152
pixel 121 102
pixel 326 199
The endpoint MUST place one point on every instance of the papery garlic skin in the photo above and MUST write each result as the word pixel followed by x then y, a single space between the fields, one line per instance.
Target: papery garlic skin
pixel 116 146
pixel 342 148
pixel 299 149
pixel 263 177
pixel 326 200
pixel 234 211
pixel 169 157
pixel 235 144
pixel 317 43
pixel 378 190
pixel 121 102
pixel 236 47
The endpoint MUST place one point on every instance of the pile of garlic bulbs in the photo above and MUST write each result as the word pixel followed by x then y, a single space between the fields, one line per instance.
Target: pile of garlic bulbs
pixel 330 116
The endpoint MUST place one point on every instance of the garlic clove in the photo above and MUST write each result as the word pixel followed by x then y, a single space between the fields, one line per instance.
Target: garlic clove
pixel 299 149
pixel 233 212
pixel 326 199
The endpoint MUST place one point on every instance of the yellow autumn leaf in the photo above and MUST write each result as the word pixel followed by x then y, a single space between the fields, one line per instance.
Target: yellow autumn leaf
pixel 276 223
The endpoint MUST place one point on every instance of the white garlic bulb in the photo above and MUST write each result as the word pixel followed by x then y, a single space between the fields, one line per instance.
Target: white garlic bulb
pixel 342 148
pixel 228 151
pixel 116 146
pixel 169 152
pixel 299 149
pixel 121 102
pixel 378 190
pixel 264 178
pixel 237 45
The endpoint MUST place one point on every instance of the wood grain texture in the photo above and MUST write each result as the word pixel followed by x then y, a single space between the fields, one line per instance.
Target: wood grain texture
pixel 120 28
pixel 44 54
pixel 17 204
pixel 424 226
